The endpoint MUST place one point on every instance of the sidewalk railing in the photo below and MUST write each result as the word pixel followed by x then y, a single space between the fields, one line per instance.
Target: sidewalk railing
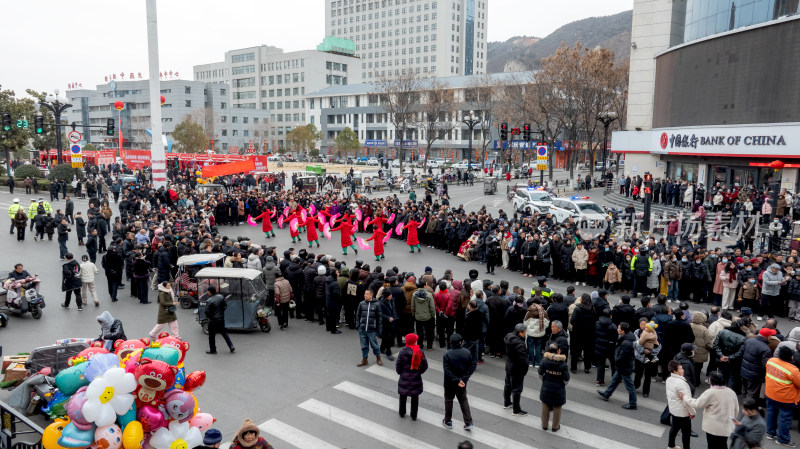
pixel 10 419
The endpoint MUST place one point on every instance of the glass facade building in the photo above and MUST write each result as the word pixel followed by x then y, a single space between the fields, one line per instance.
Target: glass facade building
pixel 708 17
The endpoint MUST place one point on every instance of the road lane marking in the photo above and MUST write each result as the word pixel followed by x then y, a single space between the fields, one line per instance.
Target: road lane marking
pixel 496 409
pixel 435 419
pixel 294 436
pixel 364 426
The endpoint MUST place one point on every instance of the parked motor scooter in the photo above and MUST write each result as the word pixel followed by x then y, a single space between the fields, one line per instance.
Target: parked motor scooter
pixel 21 297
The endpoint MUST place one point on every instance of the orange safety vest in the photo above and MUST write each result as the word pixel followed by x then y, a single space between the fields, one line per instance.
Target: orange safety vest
pixel 782 381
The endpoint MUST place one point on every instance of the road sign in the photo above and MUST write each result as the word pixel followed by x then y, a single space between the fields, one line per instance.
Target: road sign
pixel 76 149
pixel 76 156
pixel 541 157
pixel 74 136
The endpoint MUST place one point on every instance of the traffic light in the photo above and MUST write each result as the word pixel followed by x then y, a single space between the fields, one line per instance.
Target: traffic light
pixel 504 131
pixel 648 183
pixel 38 124
pixel 7 122
pixel 526 132
pixel 110 127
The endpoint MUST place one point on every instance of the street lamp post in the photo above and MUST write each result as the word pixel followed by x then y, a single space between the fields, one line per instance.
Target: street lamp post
pixel 606 118
pixel 57 107
pixel 469 120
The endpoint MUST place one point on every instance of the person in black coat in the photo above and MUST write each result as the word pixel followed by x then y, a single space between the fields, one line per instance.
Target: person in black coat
pixel 411 364
pixel 91 245
pixel 516 368
pixel 333 303
pixel 676 333
pixel 645 311
pixel 389 314
pixel 458 365
pixel 555 377
pixel 606 336
pixel 162 262
pixel 625 313
pixel 559 337
pixel 582 336
pixel 71 281
pixel 320 294
pixel 558 309
pixel 623 359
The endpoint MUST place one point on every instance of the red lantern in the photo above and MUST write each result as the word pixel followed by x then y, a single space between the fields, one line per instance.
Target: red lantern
pixel 163 100
pixel 777 165
pixel 118 105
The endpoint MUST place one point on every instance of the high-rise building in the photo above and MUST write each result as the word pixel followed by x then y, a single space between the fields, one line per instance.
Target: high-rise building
pixel 266 78
pixel 713 92
pixel 440 38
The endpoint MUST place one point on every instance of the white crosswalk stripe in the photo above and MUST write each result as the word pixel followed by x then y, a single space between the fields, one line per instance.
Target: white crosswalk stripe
pixel 570 433
pixel 364 426
pixel 293 435
pixel 534 394
pixel 477 434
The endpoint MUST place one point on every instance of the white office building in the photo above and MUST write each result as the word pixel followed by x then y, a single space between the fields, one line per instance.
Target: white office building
pixel 267 79
pixel 205 103
pixel 441 38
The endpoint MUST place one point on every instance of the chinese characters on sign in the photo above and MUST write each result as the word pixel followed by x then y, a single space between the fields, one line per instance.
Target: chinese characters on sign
pixel 166 74
pixel 693 141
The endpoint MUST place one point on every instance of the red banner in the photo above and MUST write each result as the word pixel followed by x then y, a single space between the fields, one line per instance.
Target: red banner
pixel 135 158
pixel 228 169
pixel 261 163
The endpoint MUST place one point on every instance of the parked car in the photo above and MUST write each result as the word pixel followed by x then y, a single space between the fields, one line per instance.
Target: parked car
pixel 537 199
pixel 373 161
pixel 581 208
pixel 435 163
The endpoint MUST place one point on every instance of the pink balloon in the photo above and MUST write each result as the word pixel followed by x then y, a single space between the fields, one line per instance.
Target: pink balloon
pixel 151 418
pixel 362 244
pixel 423 222
pixel 202 421
pixel 74 409
pixel 388 236
pixel 250 221
pixel 399 229
pixel 391 219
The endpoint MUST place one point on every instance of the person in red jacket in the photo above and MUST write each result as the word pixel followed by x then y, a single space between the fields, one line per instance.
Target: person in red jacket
pixel 411 238
pixel 346 228
pixel 445 314
pixel 378 236
pixel 294 233
pixel 311 230
pixel 266 222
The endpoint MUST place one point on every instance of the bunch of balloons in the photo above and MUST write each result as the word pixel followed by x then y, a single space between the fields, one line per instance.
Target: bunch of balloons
pixel 137 397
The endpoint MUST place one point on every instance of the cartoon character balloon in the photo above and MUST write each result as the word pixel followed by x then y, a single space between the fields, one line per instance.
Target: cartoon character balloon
pixel 108 437
pixel 99 364
pixel 202 421
pixel 123 349
pixel 52 434
pixel 86 354
pixel 153 377
pixel 182 346
pixel 72 436
pixel 74 411
pixel 71 379
pixel 179 405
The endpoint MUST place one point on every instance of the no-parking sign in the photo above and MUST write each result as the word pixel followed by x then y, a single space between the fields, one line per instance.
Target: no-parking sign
pixel 76 156
pixel 541 157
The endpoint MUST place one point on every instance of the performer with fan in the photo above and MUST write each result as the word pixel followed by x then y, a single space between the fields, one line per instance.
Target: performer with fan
pixel 310 224
pixel 377 235
pixel 294 233
pixel 266 222
pixel 346 228
pixel 411 238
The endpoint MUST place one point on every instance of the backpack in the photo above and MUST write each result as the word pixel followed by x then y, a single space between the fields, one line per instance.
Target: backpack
pixel 40 209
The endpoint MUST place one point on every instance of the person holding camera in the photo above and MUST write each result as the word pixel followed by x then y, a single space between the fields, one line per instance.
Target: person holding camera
pixel 167 306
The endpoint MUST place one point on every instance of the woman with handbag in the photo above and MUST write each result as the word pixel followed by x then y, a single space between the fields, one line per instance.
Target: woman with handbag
pixel 166 311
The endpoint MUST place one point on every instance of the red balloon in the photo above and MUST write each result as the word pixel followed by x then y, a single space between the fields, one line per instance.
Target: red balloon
pixel 194 380
pixel 118 105
pixel 163 99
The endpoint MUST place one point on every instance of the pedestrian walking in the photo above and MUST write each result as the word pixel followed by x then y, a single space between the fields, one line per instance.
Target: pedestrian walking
pixel 167 306
pixel 63 237
pixel 369 321
pixel 12 212
pixel 215 313
pixel 88 271
pixel 458 366
pixel 516 368
pixel 71 281
pixel 20 222
pixel 555 376
pixel 283 297
pixel 141 277
pixel 623 361
pixel 681 413
pixel 719 404
pixel 411 364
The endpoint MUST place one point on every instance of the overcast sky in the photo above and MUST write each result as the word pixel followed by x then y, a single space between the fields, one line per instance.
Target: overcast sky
pixel 48 44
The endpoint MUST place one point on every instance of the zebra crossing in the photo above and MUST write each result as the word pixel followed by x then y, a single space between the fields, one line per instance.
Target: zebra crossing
pixel 356 413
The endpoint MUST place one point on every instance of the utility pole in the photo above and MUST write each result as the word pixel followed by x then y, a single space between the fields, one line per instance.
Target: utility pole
pixel 157 156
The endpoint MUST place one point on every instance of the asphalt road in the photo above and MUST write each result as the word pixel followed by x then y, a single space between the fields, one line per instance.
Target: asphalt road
pixel 302 386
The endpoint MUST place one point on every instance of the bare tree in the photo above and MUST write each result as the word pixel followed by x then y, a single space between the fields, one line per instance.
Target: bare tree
pixel 437 112
pixel 400 96
pixel 483 97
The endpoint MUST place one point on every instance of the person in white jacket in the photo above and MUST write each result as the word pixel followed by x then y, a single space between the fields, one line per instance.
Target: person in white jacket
pixel 719 404
pixel 681 413
pixel 253 260
pixel 537 322
pixel 88 270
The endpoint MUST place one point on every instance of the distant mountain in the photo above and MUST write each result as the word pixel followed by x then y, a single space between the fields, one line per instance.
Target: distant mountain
pixel 523 52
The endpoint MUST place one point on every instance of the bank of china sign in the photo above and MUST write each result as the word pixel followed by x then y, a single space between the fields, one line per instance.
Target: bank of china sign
pixel 729 141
